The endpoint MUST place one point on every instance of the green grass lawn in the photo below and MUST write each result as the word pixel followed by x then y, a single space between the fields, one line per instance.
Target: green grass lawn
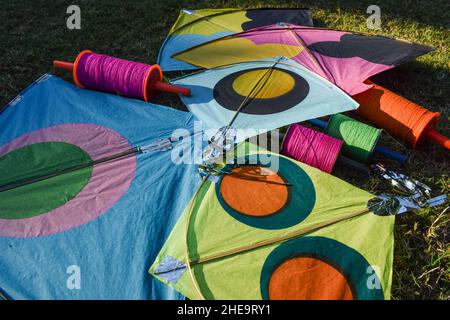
pixel 33 33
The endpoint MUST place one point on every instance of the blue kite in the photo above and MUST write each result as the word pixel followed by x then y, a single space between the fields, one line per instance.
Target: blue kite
pixel 89 192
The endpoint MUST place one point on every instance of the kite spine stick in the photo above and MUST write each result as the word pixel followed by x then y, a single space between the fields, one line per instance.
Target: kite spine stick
pixel 208 18
pixel 21 183
pixel 2 296
pixel 186 251
pixel 159 145
pixel 268 242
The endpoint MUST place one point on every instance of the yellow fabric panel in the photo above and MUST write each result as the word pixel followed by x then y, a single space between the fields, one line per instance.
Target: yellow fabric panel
pixel 235 50
pixel 232 21
pixel 210 22
pixel 275 82
pixel 185 18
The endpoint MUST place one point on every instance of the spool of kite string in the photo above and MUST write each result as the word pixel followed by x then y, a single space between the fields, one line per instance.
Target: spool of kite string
pixel 360 138
pixel 400 117
pixel 311 147
pixel 128 78
pixel 396 156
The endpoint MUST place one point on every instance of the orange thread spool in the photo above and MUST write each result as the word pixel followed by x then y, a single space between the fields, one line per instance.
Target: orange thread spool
pixel 400 117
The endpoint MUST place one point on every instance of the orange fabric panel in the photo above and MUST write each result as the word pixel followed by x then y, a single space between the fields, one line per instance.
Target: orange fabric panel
pixel 307 278
pixel 254 191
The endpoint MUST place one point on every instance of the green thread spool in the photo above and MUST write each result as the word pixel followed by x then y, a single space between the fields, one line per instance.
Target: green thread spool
pixel 359 138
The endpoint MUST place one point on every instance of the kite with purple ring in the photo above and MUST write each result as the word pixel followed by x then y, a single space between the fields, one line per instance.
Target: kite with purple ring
pixel 74 190
pixel 97 142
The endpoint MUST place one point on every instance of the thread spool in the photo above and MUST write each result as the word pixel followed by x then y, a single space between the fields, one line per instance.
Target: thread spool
pixel 401 117
pixel 360 138
pixel 109 74
pixel 311 147
pixel 388 153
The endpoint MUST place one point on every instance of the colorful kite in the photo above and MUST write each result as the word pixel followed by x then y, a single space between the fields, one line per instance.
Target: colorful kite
pixel 194 27
pixel 346 59
pixel 274 228
pixel 88 193
pixel 261 95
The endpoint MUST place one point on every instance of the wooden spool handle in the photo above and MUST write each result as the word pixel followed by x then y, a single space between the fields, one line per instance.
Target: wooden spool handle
pixel 439 138
pixel 167 87
pixel 63 65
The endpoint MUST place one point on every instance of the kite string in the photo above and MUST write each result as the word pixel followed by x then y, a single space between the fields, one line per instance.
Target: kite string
pixel 250 96
pixel 247 100
pixel 311 147
pixel 110 74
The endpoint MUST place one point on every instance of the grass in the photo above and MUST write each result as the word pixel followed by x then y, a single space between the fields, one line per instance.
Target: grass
pixel 33 33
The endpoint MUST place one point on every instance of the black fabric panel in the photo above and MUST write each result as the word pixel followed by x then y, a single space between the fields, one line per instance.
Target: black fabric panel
pixel 264 17
pixel 376 49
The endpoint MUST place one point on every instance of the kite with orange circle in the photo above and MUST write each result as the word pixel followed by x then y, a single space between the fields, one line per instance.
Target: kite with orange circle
pixel 274 228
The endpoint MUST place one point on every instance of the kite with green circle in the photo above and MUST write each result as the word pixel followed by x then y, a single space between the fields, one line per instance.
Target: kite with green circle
pixel 234 245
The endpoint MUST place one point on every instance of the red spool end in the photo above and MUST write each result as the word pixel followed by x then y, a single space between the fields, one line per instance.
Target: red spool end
pixel 75 66
pixel 154 75
pixel 439 138
pixel 429 122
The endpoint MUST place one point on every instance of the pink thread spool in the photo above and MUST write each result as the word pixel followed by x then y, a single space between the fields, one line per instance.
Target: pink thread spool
pixel 128 78
pixel 311 147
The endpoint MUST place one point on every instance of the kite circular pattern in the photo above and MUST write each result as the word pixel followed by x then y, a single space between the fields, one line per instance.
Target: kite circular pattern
pixel 73 198
pixel 318 268
pixel 266 198
pixel 271 90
